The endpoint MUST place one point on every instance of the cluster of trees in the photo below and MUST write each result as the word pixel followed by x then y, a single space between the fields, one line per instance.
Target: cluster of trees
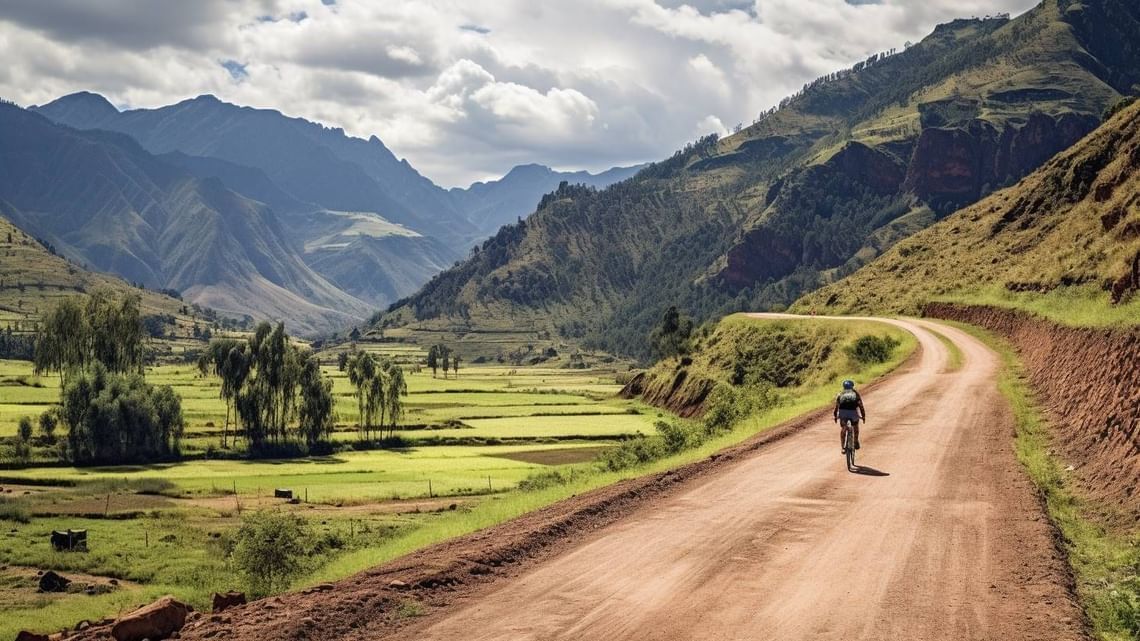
pixel 112 414
pixel 267 381
pixel 379 387
pixel 16 346
pixel 441 356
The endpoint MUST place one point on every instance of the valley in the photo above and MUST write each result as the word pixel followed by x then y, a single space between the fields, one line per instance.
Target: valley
pixel 261 372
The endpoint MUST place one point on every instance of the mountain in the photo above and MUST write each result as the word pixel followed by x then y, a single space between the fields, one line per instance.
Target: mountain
pixel 1069 232
pixel 490 205
pixel 808 193
pixel 101 200
pixel 395 228
pixel 35 278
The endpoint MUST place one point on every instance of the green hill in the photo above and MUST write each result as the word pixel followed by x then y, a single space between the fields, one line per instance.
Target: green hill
pixel 34 279
pixel 1064 243
pixel 807 194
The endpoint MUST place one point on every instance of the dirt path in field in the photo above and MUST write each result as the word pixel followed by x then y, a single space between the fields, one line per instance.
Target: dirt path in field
pixel 940 536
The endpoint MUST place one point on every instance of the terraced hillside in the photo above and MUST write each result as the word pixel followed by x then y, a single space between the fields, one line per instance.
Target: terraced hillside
pixel 808 193
pixel 33 280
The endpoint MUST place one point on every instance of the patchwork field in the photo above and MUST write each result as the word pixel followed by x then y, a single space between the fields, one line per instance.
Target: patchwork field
pixel 165 528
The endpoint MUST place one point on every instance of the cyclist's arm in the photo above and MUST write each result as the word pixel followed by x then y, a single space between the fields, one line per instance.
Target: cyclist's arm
pixel 862 410
pixel 835 412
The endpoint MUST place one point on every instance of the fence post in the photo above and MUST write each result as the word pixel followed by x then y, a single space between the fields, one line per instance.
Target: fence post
pixel 430 495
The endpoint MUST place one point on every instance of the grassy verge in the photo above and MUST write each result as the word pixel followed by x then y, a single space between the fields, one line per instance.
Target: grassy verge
pixel 1106 563
pixel 954 354
pixel 1078 306
pixel 589 477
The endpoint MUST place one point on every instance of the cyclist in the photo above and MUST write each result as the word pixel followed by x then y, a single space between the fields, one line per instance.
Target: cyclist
pixel 848 412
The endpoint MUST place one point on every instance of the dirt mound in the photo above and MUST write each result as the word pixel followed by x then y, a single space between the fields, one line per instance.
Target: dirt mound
pixel 1088 382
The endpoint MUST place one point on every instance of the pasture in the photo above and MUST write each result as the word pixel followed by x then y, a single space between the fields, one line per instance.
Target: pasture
pixel 165 528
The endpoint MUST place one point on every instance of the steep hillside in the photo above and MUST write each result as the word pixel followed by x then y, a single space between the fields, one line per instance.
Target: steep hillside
pixel 809 192
pixel 325 184
pixel 103 201
pixel 33 280
pixel 1064 243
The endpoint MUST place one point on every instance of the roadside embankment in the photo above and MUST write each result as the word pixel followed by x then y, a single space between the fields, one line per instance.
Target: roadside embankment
pixel 1087 381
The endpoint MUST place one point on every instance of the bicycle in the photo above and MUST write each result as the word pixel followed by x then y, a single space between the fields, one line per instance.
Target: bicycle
pixel 849 442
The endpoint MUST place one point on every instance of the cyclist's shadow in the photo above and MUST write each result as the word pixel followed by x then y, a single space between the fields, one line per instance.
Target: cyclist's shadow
pixel 868 471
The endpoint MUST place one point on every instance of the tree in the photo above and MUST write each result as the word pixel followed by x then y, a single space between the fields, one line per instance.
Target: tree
pixel 268 549
pixel 101 329
pixel 316 412
pixel 118 418
pixel 446 361
pixel 23 450
pixel 455 365
pixel 433 359
pixel 395 388
pixel 341 361
pixel 228 359
pixel 48 422
pixel 671 337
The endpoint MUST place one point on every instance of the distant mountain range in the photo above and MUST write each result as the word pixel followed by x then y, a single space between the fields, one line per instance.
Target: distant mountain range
pixel 245 210
pixel 807 194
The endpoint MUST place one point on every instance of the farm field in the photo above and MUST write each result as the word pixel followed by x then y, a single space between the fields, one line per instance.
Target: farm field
pixel 165 528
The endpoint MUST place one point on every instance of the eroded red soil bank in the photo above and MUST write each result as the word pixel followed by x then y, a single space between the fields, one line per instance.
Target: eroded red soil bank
pixel 1088 383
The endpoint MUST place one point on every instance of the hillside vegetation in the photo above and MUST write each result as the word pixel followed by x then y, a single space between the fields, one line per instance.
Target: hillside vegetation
pixel 746 363
pixel 34 280
pixel 807 194
pixel 1064 244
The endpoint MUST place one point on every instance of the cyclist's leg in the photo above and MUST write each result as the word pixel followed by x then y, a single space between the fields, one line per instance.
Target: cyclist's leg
pixel 843 427
pixel 855 426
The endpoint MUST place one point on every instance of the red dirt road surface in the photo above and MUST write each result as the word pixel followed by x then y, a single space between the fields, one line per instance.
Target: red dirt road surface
pixel 940 536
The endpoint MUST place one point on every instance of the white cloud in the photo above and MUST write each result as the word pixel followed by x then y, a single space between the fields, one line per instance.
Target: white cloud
pixel 465 88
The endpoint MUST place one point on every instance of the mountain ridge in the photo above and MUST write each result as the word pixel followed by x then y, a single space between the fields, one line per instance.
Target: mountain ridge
pixel 123 210
pixel 785 206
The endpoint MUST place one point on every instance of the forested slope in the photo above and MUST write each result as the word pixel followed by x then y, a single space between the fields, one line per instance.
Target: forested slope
pixel 808 193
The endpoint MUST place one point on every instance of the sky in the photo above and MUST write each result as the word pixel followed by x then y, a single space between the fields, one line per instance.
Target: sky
pixel 465 89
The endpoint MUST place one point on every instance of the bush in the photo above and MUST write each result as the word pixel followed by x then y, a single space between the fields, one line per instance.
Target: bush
pixel 630 453
pixel 268 550
pixel 678 437
pixel 870 350
pixel 727 404
pixel 11 511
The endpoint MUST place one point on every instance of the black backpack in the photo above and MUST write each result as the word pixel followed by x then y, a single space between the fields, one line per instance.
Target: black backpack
pixel 848 399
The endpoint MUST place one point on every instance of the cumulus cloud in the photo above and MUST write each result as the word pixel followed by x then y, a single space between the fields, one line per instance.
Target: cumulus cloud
pixel 465 89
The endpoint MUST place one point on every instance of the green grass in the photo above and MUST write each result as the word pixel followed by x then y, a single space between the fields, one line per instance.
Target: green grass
pixel 954 353
pixel 504 507
pixel 1106 563
pixel 1082 306
pixel 348 494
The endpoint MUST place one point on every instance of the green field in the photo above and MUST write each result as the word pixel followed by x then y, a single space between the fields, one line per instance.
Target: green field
pixel 467 443
pixel 512 423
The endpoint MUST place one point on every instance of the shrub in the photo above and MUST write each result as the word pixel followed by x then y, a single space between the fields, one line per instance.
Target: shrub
pixel 268 550
pixel 12 511
pixel 869 350
pixel 636 451
pixel 677 437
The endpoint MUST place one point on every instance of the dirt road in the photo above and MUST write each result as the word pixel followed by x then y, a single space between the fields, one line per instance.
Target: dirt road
pixel 939 537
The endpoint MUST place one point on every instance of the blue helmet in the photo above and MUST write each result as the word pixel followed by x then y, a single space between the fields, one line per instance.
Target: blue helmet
pixel 848 384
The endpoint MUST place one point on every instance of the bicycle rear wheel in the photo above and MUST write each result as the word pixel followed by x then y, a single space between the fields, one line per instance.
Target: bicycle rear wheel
pixel 849 446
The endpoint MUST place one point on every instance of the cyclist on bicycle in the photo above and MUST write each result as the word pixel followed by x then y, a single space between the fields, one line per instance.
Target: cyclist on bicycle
pixel 848 411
